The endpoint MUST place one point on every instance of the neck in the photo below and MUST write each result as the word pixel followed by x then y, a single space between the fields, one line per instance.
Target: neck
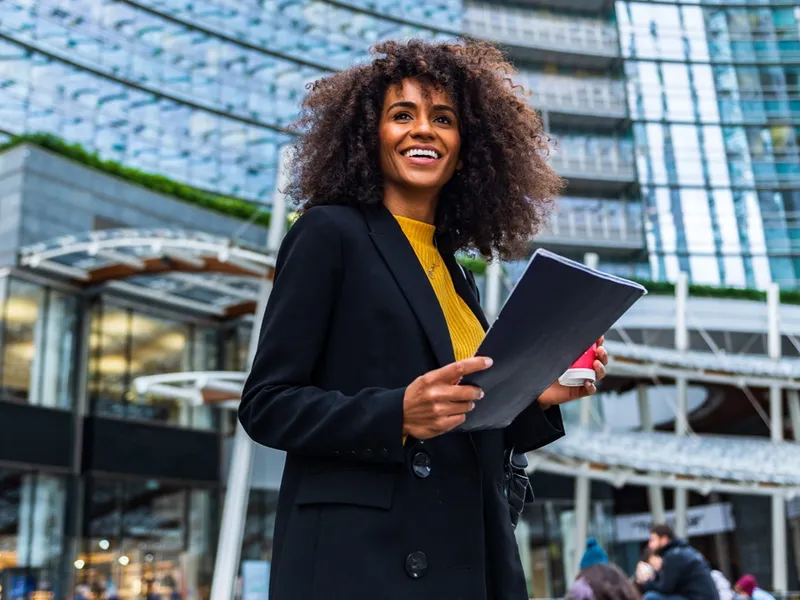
pixel 419 205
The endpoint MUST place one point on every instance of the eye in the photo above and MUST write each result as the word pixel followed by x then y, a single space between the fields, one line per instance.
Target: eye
pixel 443 119
pixel 402 116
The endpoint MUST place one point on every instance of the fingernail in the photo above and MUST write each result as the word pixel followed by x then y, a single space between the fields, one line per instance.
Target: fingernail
pixel 480 394
pixel 488 362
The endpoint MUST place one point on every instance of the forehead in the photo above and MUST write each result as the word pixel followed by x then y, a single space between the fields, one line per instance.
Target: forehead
pixel 419 92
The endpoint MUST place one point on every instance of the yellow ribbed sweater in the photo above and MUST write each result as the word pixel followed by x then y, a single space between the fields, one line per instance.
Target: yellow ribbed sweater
pixel 466 332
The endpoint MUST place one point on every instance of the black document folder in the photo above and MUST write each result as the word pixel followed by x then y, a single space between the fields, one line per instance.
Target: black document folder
pixel 557 310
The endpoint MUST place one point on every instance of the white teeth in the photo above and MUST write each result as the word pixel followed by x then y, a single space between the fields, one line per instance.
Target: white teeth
pixel 421 152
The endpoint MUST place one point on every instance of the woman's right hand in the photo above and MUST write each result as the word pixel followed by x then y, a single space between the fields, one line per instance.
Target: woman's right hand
pixel 435 403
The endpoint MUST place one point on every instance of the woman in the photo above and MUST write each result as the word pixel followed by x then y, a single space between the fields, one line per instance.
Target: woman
pixel 602 582
pixel 372 323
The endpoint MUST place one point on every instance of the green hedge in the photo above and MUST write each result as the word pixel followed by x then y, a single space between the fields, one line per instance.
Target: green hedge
pixel 226 205
pixel 708 291
pixel 663 288
pixel 243 209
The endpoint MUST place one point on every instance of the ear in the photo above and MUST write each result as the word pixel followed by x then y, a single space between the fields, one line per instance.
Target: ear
pixel 460 165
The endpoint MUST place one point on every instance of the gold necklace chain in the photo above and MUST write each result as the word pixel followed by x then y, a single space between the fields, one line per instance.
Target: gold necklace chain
pixel 435 264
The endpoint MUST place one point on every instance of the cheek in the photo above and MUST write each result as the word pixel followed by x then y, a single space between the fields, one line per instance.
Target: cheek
pixel 454 147
pixel 385 149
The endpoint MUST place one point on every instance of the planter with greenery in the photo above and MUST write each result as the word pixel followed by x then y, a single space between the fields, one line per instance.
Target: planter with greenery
pixel 226 205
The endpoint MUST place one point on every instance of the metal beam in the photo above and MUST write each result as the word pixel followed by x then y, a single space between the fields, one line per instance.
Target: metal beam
pixel 494 275
pixel 234 511
pixel 619 478
pixel 779 541
pixel 654 492
pixel 681 391
pixel 582 489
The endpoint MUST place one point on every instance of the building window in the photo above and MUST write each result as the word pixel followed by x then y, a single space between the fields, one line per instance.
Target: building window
pixel 31 533
pixel 146 539
pixel 127 344
pixel 37 344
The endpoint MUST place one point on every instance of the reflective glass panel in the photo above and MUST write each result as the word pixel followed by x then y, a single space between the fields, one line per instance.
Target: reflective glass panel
pixel 147 539
pixel 32 511
pixel 22 311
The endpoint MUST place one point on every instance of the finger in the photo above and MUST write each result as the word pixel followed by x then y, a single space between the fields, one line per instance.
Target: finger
pixel 602 355
pixel 599 369
pixel 449 423
pixel 461 393
pixel 587 389
pixel 460 408
pixel 453 372
pixel 601 340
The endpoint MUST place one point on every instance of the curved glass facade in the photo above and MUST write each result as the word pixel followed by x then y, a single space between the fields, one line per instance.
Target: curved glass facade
pixel 715 96
pixel 203 93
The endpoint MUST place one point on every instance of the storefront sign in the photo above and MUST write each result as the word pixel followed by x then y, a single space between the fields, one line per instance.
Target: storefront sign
pixel 701 520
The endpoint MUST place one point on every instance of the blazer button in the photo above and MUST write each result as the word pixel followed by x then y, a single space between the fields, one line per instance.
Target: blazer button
pixel 421 464
pixel 416 564
pixel 384 453
pixel 367 453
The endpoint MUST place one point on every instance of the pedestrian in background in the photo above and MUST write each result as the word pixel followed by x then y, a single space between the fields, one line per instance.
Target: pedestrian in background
pixel 594 554
pixel 747 587
pixel 602 581
pixel 684 573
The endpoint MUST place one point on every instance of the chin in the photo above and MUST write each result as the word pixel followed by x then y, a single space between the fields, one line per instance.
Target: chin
pixel 425 183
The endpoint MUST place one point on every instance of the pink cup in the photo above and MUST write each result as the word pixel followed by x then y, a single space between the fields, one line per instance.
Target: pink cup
pixel 581 370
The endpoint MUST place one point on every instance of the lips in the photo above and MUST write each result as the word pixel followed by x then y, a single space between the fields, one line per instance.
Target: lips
pixel 422 155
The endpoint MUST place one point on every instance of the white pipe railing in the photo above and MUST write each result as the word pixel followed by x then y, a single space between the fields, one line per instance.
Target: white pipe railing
pixel 580 164
pixel 540 30
pixel 598 224
pixel 575 94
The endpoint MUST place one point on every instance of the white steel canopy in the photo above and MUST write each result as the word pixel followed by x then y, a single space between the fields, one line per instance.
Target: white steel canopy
pixel 703 463
pixel 220 388
pixel 190 269
pixel 638 361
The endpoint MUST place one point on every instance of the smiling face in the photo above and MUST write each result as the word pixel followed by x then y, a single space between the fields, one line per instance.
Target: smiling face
pixel 419 138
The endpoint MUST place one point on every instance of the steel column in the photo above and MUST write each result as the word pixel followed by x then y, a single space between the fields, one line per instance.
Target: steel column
pixel 582 487
pixel 494 277
pixel 779 541
pixel 681 391
pixel 654 492
pixel 237 493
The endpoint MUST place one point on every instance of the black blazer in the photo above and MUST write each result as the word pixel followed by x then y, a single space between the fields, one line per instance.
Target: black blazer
pixel 351 321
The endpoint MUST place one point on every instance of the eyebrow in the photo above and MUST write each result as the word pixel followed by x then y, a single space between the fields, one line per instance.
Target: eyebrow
pixel 407 104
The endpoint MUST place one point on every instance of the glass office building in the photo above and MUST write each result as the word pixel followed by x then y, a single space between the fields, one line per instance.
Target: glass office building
pixel 202 92
pixel 675 123
pixel 105 491
pixel 713 95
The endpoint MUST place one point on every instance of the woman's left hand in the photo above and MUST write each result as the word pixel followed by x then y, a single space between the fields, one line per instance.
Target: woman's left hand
pixel 558 394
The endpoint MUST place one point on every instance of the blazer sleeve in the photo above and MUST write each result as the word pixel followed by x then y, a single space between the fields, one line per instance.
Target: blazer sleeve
pixel 534 427
pixel 280 406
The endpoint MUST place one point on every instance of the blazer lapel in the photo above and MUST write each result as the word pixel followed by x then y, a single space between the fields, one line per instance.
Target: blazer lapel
pixel 459 280
pixel 404 265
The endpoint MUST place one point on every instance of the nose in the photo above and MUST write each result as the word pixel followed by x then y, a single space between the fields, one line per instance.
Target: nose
pixel 422 128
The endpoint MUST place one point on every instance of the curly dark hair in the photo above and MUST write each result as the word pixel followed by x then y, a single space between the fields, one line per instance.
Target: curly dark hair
pixel 501 197
pixel 603 582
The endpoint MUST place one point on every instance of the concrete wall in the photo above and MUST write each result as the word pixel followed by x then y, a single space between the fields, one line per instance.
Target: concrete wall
pixel 11 184
pixel 43 196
